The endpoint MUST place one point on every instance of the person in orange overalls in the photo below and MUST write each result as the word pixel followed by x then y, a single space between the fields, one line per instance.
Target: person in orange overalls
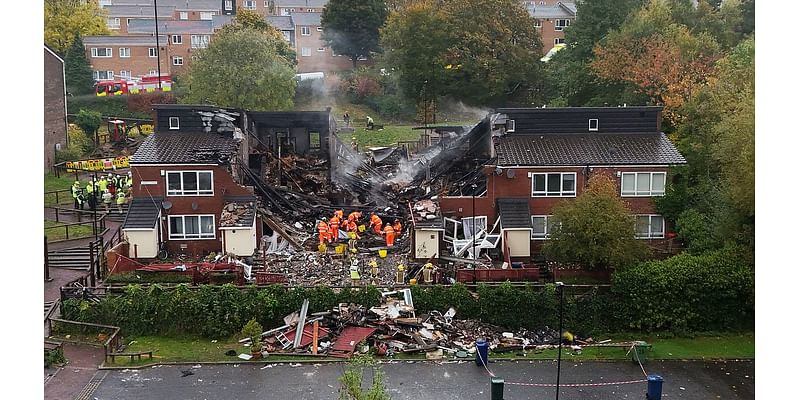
pixel 351 226
pixel 340 214
pixel 354 216
pixel 397 227
pixel 376 223
pixel 323 231
pixel 335 221
pixel 389 232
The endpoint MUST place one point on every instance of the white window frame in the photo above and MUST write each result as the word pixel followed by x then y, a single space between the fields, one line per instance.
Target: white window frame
pixel 320 49
pixel 96 52
pixel 596 124
pixel 641 192
pixel 176 125
pixel 200 234
pixel 546 235
pixel 177 60
pixel 249 4
pixel 199 41
pixel 113 25
pixel 650 233
pixel 305 31
pixel 152 52
pixel 208 14
pixel 228 5
pixel 537 24
pixel 467 227
pixel 305 52
pixel 184 192
pixel 561 192
pixel 319 29
pixel 125 75
pixel 560 27
pixel 266 3
pixel 126 53
pixel 183 15
pixel 179 37
pixel 109 75
pixel 558 40
pixel 152 72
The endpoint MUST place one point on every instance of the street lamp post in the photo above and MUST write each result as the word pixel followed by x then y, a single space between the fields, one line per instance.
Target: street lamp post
pixel 158 46
pixel 474 256
pixel 560 332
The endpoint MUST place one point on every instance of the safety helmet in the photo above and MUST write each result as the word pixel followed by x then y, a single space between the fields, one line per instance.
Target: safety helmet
pixel 396 220
pixel 130 173
pixel 76 183
pixel 324 219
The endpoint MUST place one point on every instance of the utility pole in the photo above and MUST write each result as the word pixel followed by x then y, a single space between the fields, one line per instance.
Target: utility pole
pixel 158 46
pixel 474 232
pixel 560 333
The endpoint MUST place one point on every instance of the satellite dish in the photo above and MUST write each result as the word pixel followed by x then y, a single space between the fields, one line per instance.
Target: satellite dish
pixel 194 205
pixel 510 173
pixel 166 204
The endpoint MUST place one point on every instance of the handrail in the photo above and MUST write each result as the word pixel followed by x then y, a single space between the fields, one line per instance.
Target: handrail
pixel 109 345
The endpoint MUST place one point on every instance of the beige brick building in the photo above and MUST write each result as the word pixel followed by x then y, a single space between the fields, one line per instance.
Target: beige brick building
pixel 312 54
pixel 551 20
pixel 124 57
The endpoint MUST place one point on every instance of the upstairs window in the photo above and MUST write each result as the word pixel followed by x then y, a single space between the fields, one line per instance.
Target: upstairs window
pixel 542 226
pixel 643 184
pixel 553 184
pixel 101 52
pixel 250 4
pixel 561 24
pixel 174 123
pixel 190 183
pixel 112 23
pixel 124 52
pixel 177 39
pixel 199 41
pixel 537 23
pixel 305 52
pixel 152 52
pixel 229 5
pixel 305 31
pixel 649 227
pixel 206 15
pixel 184 15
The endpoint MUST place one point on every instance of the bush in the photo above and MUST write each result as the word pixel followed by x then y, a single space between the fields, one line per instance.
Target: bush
pixel 143 103
pixel 116 106
pixel 148 277
pixel 252 330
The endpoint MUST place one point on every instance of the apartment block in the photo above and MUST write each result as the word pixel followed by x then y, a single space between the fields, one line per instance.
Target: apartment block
pixel 551 20
pixel 126 56
pixel 312 54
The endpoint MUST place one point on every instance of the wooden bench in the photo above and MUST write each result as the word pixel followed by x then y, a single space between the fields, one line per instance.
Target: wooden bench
pixel 138 355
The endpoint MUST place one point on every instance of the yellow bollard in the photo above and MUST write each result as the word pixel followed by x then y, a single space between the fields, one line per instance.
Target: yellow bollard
pixel 382 253
pixel 400 275
pixel 362 228
pixel 322 248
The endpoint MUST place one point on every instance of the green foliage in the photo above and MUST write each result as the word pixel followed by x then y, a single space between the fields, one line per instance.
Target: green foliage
pixel 248 19
pixel 352 378
pixel 494 62
pixel 89 122
pixel 252 330
pixel 595 230
pixel 116 106
pixel 142 103
pixel 64 19
pixel 147 277
pixel 710 291
pixel 54 357
pixel 77 72
pixel 242 68
pixel 350 27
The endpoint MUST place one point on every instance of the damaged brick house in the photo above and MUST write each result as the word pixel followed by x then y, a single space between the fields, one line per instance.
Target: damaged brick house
pixel 539 158
pixel 192 175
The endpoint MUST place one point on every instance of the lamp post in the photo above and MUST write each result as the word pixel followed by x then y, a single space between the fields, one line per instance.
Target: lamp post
pixel 158 46
pixel 474 256
pixel 560 332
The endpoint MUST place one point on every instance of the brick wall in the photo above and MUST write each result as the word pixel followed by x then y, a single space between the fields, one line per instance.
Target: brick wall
pixel 183 205
pixel 55 122
pixel 549 33
pixel 139 63
pixel 317 61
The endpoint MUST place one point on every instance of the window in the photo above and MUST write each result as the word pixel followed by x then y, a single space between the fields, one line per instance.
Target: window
pixel 320 49
pixel 199 41
pixel 287 36
pixel 101 52
pixel 643 183
pixel 537 23
pixel 558 40
pixel 177 39
pixel 542 226
pixel 561 24
pixel 189 183
pixel 305 31
pixel 649 227
pixel 103 75
pixel 228 4
pixel 206 15
pixel 305 52
pixel 124 52
pixel 250 4
pixel 152 72
pixel 594 124
pixel 113 23
pixel 177 60
pixel 319 29
pixel 128 21
pixel 184 15
pixel 125 75
pixel 191 227
pixel 174 123
pixel 558 184
pixel 152 52
pixel 266 3
pixel 467 225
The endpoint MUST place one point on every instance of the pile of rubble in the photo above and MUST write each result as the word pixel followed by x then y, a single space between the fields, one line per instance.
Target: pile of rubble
pixel 394 328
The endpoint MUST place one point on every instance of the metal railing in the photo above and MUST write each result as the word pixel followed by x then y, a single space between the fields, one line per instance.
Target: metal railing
pixel 110 344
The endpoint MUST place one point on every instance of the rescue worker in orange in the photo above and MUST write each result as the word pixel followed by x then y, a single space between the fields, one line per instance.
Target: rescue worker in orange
pixel 323 231
pixel 389 232
pixel 351 226
pixel 397 227
pixel 376 223
pixel 340 214
pixel 354 216
pixel 335 221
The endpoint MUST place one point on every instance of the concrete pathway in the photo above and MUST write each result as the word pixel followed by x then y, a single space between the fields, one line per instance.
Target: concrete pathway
pixel 67 382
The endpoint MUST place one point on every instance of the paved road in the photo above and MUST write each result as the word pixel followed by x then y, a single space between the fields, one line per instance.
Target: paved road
pixel 419 381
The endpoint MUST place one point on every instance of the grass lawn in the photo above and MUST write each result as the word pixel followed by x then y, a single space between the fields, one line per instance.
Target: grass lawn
pixel 195 349
pixel 51 183
pixel 77 231
pixel 389 136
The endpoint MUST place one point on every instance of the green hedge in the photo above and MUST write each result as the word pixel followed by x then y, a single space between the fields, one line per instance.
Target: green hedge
pixel 148 277
pixel 113 106
pixel 710 292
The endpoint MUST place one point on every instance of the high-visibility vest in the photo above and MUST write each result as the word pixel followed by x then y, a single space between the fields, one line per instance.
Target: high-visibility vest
pixel 75 190
pixel 102 185
pixel 388 229
pixel 397 227
pixel 323 227
pixel 89 188
pixel 120 198
pixel 107 197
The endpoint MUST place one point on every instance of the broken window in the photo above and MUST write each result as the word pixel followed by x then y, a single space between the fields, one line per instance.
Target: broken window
pixel 190 183
pixel 450 228
pixel 314 140
pixel 471 228
pixel 191 227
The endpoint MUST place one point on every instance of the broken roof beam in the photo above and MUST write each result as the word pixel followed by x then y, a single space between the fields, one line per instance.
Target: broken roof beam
pixel 301 324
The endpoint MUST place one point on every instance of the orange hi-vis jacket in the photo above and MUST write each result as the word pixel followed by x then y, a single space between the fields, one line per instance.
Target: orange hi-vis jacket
pixel 339 214
pixel 323 232
pixel 397 228
pixel 376 223
pixel 334 233
pixel 389 232
pixel 354 216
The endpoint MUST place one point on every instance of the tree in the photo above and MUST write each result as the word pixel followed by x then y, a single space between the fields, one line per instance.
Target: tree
pixel 89 122
pixel 248 19
pixel 596 230
pixel 351 27
pixel 77 71
pixel 495 61
pixel 352 378
pixel 241 68
pixel 63 19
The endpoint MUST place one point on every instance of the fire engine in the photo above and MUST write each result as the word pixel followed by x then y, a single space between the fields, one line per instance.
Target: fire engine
pixel 117 87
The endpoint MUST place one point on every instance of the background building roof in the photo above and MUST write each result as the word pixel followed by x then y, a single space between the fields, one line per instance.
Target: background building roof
pixel 123 40
pixel 558 10
pixel 306 19
pixel 301 3
pixel 145 11
pixel 171 27
pixel 282 22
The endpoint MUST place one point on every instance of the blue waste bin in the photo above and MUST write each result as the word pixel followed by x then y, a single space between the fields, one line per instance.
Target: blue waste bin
pixel 654 383
pixel 482 353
